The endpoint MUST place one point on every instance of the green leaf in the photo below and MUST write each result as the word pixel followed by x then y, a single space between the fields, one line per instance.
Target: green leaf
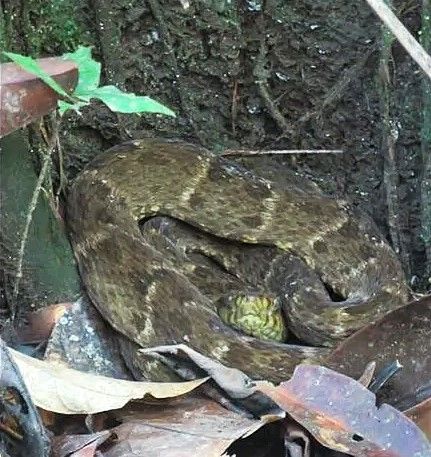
pixel 88 68
pixel 123 102
pixel 64 106
pixel 30 65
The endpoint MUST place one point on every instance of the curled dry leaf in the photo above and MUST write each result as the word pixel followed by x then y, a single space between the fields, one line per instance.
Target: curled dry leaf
pixel 368 374
pixel 342 415
pixel 63 390
pixel 229 386
pixel 231 380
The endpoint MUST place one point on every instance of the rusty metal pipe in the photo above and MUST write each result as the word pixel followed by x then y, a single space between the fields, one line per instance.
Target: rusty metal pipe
pixel 24 97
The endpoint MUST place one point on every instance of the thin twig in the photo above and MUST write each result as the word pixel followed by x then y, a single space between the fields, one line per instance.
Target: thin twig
pixel 416 51
pixel 29 218
pixel 261 75
pixel 31 208
pixel 62 176
pixel 234 107
pixel 247 152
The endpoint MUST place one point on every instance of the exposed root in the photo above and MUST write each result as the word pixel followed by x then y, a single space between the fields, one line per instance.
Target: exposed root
pixel 261 80
pixel 337 91
pixel 390 137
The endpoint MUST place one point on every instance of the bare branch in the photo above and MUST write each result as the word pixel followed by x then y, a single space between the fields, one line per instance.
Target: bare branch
pixel 258 152
pixel 416 51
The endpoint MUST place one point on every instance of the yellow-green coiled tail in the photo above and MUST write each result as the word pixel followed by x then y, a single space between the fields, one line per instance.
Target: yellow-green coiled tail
pixel 256 315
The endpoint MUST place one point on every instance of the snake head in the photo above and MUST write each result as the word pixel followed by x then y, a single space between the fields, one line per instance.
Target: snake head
pixel 255 314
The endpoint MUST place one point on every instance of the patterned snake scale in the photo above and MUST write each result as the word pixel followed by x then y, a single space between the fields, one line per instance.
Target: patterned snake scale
pixel 135 211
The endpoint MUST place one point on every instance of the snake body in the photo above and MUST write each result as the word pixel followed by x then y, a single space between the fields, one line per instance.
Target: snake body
pixel 328 264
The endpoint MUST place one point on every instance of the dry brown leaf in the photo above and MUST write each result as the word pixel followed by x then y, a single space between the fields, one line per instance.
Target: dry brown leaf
pixel 342 415
pixel 191 427
pixel 78 445
pixel 39 324
pixel 404 335
pixel 421 415
pixel 63 390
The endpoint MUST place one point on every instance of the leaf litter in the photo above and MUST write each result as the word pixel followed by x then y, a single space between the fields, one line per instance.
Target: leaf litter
pixel 316 412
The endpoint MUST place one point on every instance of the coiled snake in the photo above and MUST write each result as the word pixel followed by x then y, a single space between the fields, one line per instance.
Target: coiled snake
pixel 169 236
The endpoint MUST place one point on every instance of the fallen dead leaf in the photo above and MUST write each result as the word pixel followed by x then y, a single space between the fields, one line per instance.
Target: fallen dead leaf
pixel 233 381
pixel 82 340
pixel 39 324
pixel 192 426
pixel 63 390
pixel 421 416
pixel 229 386
pixel 404 335
pixel 342 415
pixel 79 445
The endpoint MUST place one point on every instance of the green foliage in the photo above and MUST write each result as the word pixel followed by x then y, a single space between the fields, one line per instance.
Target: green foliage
pixel 88 86
pixel 50 26
pixel 123 102
pixel 114 98
pixel 89 69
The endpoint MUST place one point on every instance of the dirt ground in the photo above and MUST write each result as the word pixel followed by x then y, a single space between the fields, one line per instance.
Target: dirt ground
pixel 270 74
